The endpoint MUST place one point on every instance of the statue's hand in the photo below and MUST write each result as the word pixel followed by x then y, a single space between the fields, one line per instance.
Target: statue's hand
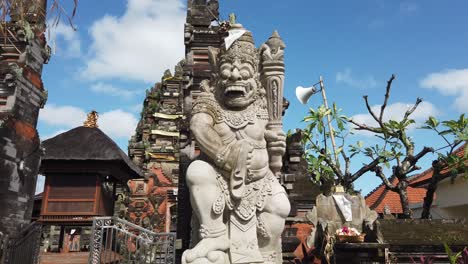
pixel 231 157
pixel 276 142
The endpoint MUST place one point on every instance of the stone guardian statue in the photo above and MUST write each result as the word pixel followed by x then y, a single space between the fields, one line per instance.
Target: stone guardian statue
pixel 239 205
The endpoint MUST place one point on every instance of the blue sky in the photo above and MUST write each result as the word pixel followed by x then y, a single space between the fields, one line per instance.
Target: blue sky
pixel 121 48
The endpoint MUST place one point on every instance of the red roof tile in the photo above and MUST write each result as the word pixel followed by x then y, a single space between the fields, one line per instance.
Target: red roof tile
pixel 373 197
pixel 381 197
pixel 423 176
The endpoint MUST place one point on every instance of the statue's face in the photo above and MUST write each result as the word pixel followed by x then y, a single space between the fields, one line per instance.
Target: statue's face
pixel 237 83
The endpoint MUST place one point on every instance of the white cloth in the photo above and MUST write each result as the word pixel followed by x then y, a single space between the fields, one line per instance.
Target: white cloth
pixel 345 206
pixel 234 34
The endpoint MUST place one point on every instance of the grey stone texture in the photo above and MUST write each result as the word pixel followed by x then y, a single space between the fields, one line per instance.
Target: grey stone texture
pixel 21 96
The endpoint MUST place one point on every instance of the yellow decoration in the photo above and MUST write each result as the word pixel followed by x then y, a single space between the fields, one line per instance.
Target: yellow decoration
pixel 91 120
pixel 165 133
pixel 166 157
pixel 166 116
pixel 339 189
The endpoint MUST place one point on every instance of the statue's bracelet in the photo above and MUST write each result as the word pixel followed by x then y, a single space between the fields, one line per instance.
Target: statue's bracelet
pixel 220 157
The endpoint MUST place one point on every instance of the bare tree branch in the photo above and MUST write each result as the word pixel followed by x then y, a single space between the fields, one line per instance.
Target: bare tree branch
pixel 369 167
pixel 379 173
pixel 347 163
pixel 398 160
pixel 365 127
pixel 411 110
pixel 369 109
pixel 445 138
pixel 413 168
pixel 408 164
pixel 421 154
pixel 376 130
pixel 387 95
pixel 409 146
pixel 21 9
pixel 454 145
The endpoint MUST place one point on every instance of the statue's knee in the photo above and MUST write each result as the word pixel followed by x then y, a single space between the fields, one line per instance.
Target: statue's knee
pixel 200 172
pixel 280 205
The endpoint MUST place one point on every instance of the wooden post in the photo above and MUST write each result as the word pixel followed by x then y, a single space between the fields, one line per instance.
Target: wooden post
pixel 332 136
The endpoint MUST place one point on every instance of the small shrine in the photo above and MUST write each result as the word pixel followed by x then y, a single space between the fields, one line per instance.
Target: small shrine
pixel 83 167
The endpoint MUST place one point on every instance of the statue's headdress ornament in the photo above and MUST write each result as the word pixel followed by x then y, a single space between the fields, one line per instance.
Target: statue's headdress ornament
pixel 239 44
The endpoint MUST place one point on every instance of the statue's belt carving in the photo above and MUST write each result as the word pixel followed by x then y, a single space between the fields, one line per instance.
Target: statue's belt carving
pixel 253 199
pixel 234 119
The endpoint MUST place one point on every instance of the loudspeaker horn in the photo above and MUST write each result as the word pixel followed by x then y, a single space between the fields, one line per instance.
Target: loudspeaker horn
pixel 304 93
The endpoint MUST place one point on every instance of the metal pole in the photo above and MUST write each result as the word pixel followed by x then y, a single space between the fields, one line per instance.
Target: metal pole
pixel 332 136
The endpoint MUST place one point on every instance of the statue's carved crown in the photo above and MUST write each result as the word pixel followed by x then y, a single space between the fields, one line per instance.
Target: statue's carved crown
pixel 243 48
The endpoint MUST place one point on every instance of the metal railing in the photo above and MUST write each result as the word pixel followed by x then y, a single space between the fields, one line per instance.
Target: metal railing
pixel 118 241
pixel 24 248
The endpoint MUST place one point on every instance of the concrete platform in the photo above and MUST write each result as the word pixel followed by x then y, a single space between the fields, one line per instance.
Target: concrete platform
pixel 64 258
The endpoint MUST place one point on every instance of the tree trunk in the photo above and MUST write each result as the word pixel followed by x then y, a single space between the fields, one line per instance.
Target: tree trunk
pixel 429 199
pixel 347 185
pixel 402 191
pixel 431 189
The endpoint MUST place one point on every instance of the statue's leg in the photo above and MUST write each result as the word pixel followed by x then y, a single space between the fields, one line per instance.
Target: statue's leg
pixel 272 220
pixel 203 186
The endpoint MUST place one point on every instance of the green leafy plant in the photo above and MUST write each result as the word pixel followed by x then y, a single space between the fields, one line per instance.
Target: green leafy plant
pixel 448 164
pixel 396 150
pixel 455 257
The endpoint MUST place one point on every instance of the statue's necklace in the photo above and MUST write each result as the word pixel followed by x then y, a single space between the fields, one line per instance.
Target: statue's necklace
pixel 240 119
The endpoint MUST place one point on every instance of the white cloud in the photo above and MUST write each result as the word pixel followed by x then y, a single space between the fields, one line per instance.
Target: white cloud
pixel 118 123
pixel 65 41
pixel 396 112
pixel 65 116
pixel 112 90
pixel 115 123
pixel 139 45
pixel 363 83
pixel 452 82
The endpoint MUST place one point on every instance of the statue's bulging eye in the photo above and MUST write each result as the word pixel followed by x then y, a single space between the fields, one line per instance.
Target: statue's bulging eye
pixel 225 74
pixel 245 74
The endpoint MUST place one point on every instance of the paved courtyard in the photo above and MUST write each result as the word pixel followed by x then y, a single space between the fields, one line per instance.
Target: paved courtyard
pixel 64 258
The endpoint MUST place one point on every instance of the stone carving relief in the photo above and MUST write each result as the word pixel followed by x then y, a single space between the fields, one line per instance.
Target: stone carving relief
pixel 239 206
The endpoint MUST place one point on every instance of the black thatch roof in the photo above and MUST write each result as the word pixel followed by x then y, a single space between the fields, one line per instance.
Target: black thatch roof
pixel 87 144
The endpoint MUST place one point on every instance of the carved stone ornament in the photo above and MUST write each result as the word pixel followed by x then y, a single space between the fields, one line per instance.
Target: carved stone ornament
pixel 239 205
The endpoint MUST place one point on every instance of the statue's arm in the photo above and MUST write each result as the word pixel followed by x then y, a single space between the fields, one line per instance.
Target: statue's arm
pixel 210 142
pixel 202 127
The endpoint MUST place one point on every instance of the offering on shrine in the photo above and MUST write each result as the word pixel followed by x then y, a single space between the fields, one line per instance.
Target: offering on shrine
pixel 349 234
